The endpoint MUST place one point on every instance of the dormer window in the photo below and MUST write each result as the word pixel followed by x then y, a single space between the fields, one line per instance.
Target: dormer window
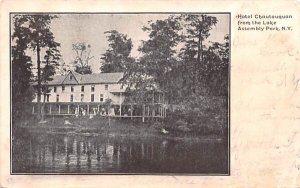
pixel 71 77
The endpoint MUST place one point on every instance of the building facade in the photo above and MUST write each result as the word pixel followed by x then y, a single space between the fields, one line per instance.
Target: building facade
pixel 74 94
pixel 75 88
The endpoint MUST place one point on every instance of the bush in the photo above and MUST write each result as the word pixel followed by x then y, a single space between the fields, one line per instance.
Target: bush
pixel 181 123
pixel 157 125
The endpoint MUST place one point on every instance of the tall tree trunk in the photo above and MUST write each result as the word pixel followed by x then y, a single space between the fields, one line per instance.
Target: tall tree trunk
pixel 199 44
pixel 43 104
pixel 199 61
pixel 39 81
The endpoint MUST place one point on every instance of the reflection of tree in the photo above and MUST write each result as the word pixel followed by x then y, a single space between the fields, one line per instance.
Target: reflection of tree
pixel 78 152
pixel 53 151
pixel 89 154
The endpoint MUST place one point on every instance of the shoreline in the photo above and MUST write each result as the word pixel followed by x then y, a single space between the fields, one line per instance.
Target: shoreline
pixel 115 128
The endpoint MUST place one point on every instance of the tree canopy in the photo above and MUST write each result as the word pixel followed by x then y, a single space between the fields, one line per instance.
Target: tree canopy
pixel 83 57
pixel 117 56
pixel 35 32
pixel 22 93
pixel 175 59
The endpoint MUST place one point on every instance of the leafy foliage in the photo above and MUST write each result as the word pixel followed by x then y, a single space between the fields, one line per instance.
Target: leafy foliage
pixel 35 32
pixel 176 61
pixel 22 92
pixel 83 56
pixel 116 58
pixel 51 61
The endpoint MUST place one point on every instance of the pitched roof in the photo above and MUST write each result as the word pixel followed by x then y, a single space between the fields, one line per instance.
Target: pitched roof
pixel 57 80
pixel 96 78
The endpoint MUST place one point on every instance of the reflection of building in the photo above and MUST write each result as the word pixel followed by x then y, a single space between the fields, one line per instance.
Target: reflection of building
pixel 75 93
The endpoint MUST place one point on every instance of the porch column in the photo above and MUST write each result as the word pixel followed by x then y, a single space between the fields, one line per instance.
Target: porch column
pixel 32 109
pixel 131 111
pixel 153 111
pixel 148 110
pixel 143 118
pixel 68 109
pixel 98 108
pixel 50 109
pixel 160 110
pixel 59 108
pixel 88 109
pixel 159 97
pixel 120 105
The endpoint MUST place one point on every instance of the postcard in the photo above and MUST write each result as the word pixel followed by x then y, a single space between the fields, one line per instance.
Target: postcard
pixel 150 94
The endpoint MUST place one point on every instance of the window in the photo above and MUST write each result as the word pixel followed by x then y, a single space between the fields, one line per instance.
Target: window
pixel 57 98
pixel 82 97
pixel 71 98
pixel 106 87
pixel 82 88
pixel 71 77
pixel 92 97
pixel 92 88
pixel 62 88
pixel 101 97
pixel 72 88
pixel 54 89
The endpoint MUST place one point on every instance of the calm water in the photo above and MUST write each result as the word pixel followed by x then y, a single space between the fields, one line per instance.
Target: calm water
pixel 49 153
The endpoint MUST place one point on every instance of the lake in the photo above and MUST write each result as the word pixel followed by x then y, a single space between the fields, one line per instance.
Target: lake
pixel 69 153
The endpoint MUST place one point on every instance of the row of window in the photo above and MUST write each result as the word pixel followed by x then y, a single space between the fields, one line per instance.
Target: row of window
pixel 81 98
pixel 82 88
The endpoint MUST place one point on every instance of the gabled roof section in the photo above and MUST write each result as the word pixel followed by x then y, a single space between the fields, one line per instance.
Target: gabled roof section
pixel 71 79
pixel 57 80
pixel 101 78
pixel 96 78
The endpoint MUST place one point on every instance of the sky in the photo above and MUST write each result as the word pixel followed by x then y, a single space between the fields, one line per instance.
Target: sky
pixel 89 28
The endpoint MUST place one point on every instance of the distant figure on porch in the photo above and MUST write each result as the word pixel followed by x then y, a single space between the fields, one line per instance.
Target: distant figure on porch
pixel 103 112
pixel 76 112
pixel 95 111
pixel 111 112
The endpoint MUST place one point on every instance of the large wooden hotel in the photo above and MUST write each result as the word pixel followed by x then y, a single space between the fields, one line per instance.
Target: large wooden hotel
pixel 77 94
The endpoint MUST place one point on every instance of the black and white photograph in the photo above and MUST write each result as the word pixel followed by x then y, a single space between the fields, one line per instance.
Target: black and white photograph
pixel 120 93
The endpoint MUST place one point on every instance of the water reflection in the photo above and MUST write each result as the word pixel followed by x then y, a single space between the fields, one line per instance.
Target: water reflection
pixel 48 153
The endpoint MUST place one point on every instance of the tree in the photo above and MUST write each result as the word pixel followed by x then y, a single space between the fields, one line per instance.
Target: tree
pixel 217 65
pixel 158 52
pixel 198 29
pixel 153 70
pixel 51 62
pixel 116 57
pixel 83 56
pixel 63 68
pixel 22 92
pixel 38 35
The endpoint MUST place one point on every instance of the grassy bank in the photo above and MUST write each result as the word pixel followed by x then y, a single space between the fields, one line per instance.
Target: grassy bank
pixel 111 127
